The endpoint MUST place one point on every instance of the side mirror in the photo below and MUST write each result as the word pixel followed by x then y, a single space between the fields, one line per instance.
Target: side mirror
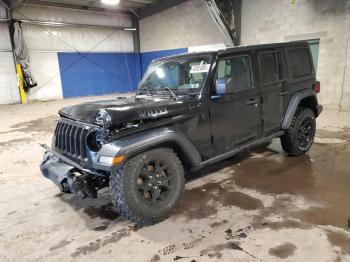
pixel 224 86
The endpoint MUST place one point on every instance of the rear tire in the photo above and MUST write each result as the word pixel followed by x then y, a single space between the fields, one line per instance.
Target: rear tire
pixel 300 136
pixel 148 186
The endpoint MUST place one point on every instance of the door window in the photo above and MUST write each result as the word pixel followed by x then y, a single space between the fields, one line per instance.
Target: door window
pixel 236 71
pixel 269 70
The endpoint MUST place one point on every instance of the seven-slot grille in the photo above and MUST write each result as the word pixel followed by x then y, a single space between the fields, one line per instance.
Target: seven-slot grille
pixel 70 138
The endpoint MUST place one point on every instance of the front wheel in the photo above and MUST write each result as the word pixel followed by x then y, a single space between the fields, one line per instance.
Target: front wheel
pixel 148 186
pixel 300 135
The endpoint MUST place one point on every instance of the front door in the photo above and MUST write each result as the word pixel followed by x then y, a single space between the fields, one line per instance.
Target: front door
pixel 234 104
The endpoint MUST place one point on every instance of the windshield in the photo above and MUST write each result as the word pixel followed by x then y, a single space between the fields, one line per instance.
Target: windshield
pixel 180 74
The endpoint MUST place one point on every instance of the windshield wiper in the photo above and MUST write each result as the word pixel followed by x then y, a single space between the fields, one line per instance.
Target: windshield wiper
pixel 171 92
pixel 147 89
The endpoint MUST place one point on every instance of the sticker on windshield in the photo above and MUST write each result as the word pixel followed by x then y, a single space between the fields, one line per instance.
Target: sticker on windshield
pixel 201 68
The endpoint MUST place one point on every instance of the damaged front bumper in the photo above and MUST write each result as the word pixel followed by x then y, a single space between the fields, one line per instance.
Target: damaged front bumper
pixel 70 177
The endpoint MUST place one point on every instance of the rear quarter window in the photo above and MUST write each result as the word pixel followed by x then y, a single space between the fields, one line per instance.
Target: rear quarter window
pixel 299 62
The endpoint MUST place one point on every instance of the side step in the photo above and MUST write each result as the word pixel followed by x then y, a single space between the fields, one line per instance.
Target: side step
pixel 237 150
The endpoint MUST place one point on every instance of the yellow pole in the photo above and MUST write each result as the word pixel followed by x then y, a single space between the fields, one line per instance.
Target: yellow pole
pixel 20 81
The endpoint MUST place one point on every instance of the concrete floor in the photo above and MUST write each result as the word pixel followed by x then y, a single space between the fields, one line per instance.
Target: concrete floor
pixel 257 206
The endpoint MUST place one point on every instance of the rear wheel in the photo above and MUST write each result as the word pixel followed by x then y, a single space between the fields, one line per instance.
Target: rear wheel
pixel 148 186
pixel 300 135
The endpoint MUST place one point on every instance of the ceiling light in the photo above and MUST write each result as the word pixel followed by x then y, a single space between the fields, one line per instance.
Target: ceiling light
pixel 129 29
pixel 110 2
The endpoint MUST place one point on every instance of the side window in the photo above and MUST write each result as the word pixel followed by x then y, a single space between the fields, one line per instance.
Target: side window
pixel 300 62
pixel 268 67
pixel 235 71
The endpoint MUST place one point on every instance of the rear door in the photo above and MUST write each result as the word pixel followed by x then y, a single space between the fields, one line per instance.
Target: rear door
pixel 301 72
pixel 235 115
pixel 273 88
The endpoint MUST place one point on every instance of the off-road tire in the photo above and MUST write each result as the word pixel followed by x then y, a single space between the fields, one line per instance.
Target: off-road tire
pixel 124 192
pixel 289 140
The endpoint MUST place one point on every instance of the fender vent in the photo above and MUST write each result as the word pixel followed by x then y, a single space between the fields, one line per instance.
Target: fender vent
pixel 154 112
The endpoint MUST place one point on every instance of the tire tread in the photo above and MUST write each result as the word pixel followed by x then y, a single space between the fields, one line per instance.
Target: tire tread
pixel 118 192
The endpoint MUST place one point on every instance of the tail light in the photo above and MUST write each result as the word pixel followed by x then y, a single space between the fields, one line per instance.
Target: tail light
pixel 317 86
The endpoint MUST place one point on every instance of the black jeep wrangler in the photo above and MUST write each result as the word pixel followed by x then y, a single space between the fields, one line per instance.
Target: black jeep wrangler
pixel 190 111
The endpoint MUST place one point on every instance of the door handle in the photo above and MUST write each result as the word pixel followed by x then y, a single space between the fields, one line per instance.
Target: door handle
pixel 283 93
pixel 253 101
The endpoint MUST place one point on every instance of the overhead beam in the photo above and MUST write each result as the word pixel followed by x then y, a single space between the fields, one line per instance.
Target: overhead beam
pixel 76 25
pixel 5 4
pixel 79 7
pixel 124 5
pixel 142 1
pixel 12 4
pixel 159 6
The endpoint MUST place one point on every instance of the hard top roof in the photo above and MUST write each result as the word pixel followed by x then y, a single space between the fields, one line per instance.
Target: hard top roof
pixel 236 49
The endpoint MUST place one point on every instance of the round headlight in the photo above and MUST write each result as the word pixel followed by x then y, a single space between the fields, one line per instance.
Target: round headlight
pixel 95 140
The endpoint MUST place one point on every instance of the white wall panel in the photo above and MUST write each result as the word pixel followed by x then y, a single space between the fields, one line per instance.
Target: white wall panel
pixel 184 25
pixel 8 80
pixel 327 20
pixel 5 42
pixel 57 14
pixel 3 12
pixel 46 38
pixel 46 72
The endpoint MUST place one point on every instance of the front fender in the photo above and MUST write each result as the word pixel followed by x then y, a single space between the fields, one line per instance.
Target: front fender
pixel 134 144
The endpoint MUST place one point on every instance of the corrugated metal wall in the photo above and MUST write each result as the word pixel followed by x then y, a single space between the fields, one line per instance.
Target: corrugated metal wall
pixel 45 42
pixel 8 79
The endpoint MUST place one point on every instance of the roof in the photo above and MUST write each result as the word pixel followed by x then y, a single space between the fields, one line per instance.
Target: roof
pixel 262 46
pixel 237 49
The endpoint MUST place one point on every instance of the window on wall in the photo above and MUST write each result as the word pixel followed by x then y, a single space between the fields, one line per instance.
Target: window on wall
pixel 300 63
pixel 238 69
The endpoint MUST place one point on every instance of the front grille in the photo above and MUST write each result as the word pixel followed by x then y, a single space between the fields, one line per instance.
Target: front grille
pixel 70 138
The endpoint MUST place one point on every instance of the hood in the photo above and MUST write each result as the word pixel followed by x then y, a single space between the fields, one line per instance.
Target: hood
pixel 128 110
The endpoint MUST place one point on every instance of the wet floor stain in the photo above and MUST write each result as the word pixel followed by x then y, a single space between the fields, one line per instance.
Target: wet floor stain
pixel 283 251
pixel 44 124
pixel 155 258
pixel 13 142
pixel 215 251
pixel 102 227
pixel 192 243
pixel 204 201
pixel 105 211
pixel 218 224
pixel 340 239
pixel 61 244
pixel 92 247
pixel 321 175
pixel 238 234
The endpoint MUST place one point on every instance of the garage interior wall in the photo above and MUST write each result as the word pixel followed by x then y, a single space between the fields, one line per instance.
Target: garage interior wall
pixel 329 21
pixel 64 59
pixel 182 26
pixel 8 80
